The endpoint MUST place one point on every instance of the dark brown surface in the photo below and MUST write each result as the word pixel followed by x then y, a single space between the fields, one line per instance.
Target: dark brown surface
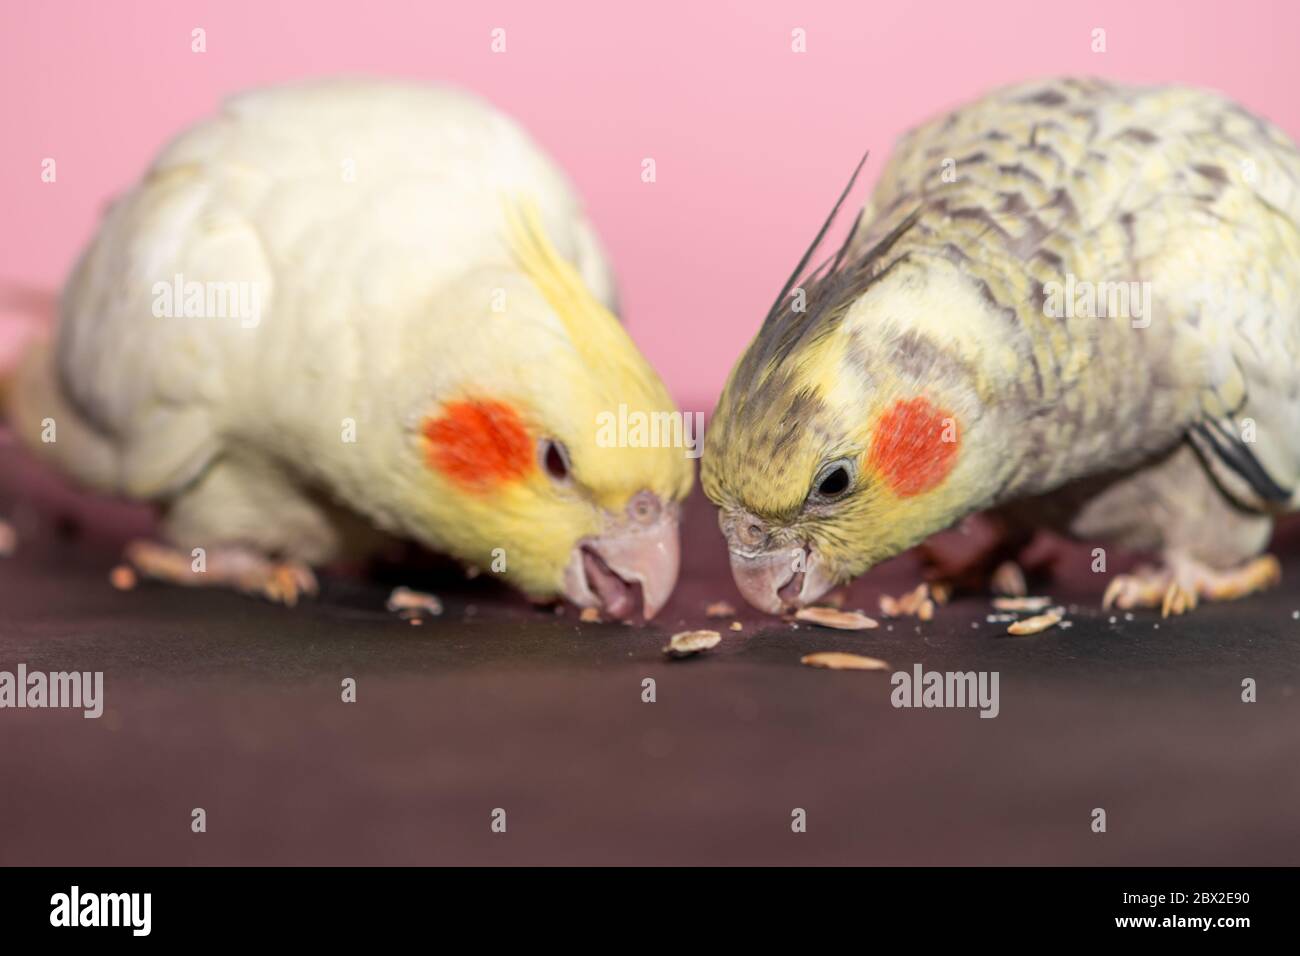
pixel 225 703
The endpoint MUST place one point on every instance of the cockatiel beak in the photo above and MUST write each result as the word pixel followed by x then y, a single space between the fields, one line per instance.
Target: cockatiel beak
pixel 630 570
pixel 775 580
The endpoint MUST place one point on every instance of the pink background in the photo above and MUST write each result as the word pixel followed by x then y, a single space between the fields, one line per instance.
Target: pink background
pixel 751 141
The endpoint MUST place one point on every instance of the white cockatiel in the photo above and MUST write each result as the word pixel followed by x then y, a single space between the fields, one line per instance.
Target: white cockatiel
pixel 353 308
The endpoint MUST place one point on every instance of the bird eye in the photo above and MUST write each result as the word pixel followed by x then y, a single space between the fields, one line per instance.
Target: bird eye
pixel 555 459
pixel 833 480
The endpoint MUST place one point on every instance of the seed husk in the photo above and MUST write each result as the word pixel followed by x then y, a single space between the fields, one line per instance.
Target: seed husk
pixel 409 603
pixel 841 661
pixel 1034 625
pixel 720 609
pixel 841 620
pixel 1022 603
pixel 920 601
pixel 589 615
pixel 687 643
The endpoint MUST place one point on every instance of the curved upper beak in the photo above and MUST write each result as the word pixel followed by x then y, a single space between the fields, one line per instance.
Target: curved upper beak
pixel 631 569
pixel 778 581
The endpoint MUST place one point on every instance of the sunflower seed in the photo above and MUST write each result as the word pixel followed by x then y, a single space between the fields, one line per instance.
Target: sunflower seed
pixel 1021 603
pixel 840 661
pixel 842 620
pixel 407 602
pixel 691 642
pixel 1034 625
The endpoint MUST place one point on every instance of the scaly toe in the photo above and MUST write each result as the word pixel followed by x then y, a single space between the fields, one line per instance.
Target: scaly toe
pixel 1260 574
pixel 1178 599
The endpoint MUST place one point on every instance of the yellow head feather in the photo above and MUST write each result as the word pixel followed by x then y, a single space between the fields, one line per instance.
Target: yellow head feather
pixel 617 373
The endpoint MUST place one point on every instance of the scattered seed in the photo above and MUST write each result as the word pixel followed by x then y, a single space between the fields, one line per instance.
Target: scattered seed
pixel 840 661
pixel 920 601
pixel 1009 579
pixel 720 609
pixel 1034 625
pixel 415 621
pixel 940 591
pixel 737 626
pixel 829 617
pixel 589 615
pixel 691 642
pixel 911 602
pixel 407 602
pixel 122 577
pixel 1021 603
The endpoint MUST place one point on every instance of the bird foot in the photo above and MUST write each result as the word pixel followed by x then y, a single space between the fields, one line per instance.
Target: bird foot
pixel 241 569
pixel 1179 591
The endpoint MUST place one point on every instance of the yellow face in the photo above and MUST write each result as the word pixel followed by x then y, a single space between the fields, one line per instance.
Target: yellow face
pixel 827 464
pixel 553 510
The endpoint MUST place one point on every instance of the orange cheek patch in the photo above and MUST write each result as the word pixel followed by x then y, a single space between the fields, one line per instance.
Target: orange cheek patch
pixel 479 444
pixel 914 446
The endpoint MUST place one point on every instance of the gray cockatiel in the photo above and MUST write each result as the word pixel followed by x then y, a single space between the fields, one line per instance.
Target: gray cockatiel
pixel 1073 302
pixel 349 309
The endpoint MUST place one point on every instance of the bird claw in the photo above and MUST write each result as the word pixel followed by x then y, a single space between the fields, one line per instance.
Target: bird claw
pixel 246 571
pixel 287 581
pixel 1145 587
pixel 1178 599
pixel 1182 592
